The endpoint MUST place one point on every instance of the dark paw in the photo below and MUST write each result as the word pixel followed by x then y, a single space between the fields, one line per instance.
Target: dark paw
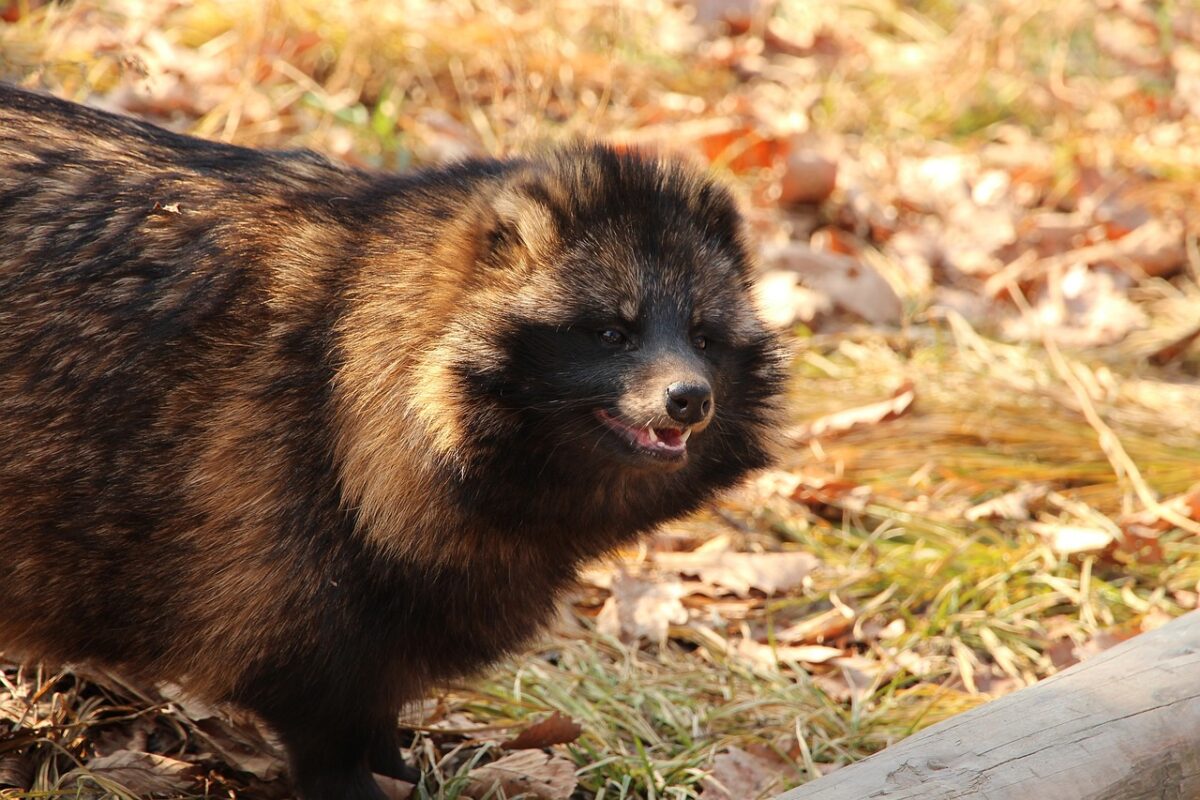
pixel 403 772
pixel 384 756
pixel 393 765
pixel 343 785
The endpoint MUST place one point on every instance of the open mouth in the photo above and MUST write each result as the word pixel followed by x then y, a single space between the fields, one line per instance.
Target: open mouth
pixel 668 444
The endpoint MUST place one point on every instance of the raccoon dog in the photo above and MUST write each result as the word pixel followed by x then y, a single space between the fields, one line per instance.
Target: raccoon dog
pixel 306 439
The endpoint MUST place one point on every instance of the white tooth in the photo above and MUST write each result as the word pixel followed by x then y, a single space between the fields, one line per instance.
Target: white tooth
pixel 683 437
pixel 652 436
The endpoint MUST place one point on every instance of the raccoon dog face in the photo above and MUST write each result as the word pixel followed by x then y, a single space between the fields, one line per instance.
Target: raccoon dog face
pixel 628 343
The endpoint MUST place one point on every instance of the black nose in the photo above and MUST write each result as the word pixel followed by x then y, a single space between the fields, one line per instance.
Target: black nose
pixel 689 402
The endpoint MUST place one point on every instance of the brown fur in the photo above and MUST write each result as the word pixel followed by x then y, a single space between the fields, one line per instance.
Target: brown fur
pixel 306 439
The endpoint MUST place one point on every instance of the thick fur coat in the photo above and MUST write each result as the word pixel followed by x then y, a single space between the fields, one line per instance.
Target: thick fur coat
pixel 306 439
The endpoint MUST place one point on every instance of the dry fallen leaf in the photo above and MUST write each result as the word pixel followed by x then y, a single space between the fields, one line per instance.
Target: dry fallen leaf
pixel 532 773
pixel 131 735
pixel 12 707
pixel 1064 652
pixel 735 13
pixel 393 788
pixel 974 239
pixel 851 284
pixel 808 177
pixel 858 674
pixel 1083 307
pixel 739 573
pixel 915 252
pixel 738 143
pixel 1150 523
pixel 554 729
pixel 1054 232
pixel 809 653
pixel 742 147
pixel 1156 247
pixel 784 302
pixel 766 656
pixel 443 139
pixel 826 493
pixel 936 183
pixel 870 414
pixel 741 775
pixel 641 610
pixel 16 771
pixel 819 628
pixel 1010 505
pixel 1070 539
pixel 140 773
pixel 237 737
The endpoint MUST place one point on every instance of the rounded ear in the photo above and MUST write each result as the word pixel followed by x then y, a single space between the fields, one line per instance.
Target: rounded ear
pixel 522 217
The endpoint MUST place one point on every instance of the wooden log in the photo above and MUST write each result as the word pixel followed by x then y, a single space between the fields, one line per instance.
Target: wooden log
pixel 1123 725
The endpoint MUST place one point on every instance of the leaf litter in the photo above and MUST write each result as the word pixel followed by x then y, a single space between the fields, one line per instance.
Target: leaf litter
pixel 974 226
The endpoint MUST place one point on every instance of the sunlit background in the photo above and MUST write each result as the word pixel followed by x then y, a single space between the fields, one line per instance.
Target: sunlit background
pixel 974 219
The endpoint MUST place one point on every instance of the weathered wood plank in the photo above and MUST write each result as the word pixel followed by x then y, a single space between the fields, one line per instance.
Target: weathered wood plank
pixel 1123 725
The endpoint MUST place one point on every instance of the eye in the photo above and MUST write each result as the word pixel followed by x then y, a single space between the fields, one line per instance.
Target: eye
pixel 612 337
pixel 699 341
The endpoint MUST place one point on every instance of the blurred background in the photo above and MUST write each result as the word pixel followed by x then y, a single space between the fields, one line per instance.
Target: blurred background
pixel 974 220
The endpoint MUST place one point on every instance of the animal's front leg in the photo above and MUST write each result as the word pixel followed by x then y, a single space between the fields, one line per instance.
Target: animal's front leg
pixel 331 762
pixel 384 754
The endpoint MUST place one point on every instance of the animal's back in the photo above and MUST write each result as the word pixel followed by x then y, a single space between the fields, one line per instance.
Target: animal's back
pixel 142 367
pixel 168 478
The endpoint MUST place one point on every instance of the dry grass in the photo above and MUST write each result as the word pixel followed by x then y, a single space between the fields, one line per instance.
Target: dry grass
pixel 943 608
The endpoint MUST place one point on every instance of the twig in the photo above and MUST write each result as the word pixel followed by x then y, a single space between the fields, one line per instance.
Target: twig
pixel 1122 464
